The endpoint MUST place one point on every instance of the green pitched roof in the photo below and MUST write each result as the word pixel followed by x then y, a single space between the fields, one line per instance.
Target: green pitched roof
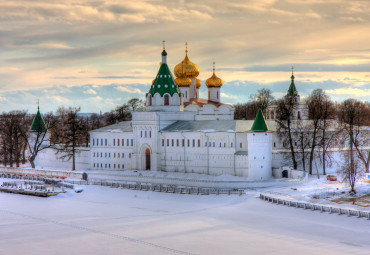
pixel 259 124
pixel 164 82
pixel 38 124
pixel 292 89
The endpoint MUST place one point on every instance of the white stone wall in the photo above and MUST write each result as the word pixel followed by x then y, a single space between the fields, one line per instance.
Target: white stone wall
pixel 48 159
pixel 260 156
pixel 113 154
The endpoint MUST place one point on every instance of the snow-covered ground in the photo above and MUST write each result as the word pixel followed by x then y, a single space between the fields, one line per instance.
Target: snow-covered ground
pixel 103 220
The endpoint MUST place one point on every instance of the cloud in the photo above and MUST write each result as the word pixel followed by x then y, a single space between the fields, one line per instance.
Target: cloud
pixel 90 92
pixel 130 90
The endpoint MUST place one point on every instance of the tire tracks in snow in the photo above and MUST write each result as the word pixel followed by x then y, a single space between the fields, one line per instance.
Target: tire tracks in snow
pixel 122 237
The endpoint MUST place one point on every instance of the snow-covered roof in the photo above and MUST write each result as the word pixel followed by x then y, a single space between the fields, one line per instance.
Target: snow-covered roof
pixel 123 126
pixel 214 126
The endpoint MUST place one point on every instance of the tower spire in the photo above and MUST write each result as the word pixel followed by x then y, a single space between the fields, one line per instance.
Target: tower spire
pixel 214 67
pixel 164 53
pixel 186 48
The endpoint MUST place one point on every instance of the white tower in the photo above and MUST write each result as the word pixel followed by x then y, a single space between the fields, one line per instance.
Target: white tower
pixel 259 150
pixel 214 85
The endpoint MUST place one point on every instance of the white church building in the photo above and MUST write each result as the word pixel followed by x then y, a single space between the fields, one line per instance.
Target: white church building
pixel 179 132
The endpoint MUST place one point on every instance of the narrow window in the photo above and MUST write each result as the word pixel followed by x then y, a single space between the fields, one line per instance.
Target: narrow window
pixel 97 142
pixel 217 94
pixel 198 142
pixel 109 155
pixel 193 143
pixel 123 166
pixel 141 133
pixel 101 154
pixel 118 166
pixel 172 143
pixel 123 142
pixel 105 154
pixel 114 142
pixel 299 115
pixel 93 142
pixel 101 140
pixel 117 142
pixel 114 166
pixel 183 142
pixel 145 133
pixel 150 134
pixel 132 142
pixel 168 142
pixel 123 155
pixel 177 142
pixel 241 145
pixel 94 155
pixel 128 143
pixel 129 155
pixel 105 141
pixel 109 165
pixel 274 144
pixel 232 145
pixel 188 143
pixel 162 142
pixel 166 100
pixel 114 155
pixel 94 165
pixel 150 100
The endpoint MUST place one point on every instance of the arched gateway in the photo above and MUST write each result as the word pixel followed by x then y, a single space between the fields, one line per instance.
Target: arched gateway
pixel 147 159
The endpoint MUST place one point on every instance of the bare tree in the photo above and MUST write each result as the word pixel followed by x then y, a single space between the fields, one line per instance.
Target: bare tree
pixel 351 169
pixel 352 114
pixel 263 98
pixel 317 102
pixel 284 119
pixel 72 135
pixel 13 145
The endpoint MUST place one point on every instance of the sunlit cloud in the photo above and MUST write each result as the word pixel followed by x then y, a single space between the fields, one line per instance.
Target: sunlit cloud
pixel 68 49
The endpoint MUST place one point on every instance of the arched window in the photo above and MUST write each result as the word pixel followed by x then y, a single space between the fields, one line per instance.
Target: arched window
pixel 150 100
pixel 186 94
pixel 217 94
pixel 166 100
pixel 209 95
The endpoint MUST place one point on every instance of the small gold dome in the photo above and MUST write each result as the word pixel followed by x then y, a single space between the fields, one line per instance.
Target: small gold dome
pixel 183 81
pixel 214 81
pixel 198 83
pixel 187 67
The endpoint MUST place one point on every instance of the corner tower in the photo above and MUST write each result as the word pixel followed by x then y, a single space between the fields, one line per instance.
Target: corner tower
pixel 259 150
pixel 164 94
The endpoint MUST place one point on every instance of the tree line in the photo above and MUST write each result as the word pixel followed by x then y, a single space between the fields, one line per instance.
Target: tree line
pixel 67 129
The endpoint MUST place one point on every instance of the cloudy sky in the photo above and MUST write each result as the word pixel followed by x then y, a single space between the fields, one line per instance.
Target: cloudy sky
pixel 98 54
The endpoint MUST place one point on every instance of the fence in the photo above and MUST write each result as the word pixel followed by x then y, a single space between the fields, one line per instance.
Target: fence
pixel 315 207
pixel 139 186
pixel 162 188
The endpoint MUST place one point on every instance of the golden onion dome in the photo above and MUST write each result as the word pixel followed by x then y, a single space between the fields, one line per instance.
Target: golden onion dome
pixel 214 81
pixel 187 67
pixel 198 83
pixel 183 81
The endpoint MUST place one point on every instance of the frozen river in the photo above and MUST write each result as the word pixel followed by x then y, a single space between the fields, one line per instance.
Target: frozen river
pixel 102 220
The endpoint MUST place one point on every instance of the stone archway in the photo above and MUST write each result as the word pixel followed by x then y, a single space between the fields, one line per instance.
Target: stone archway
pixel 285 174
pixel 147 159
